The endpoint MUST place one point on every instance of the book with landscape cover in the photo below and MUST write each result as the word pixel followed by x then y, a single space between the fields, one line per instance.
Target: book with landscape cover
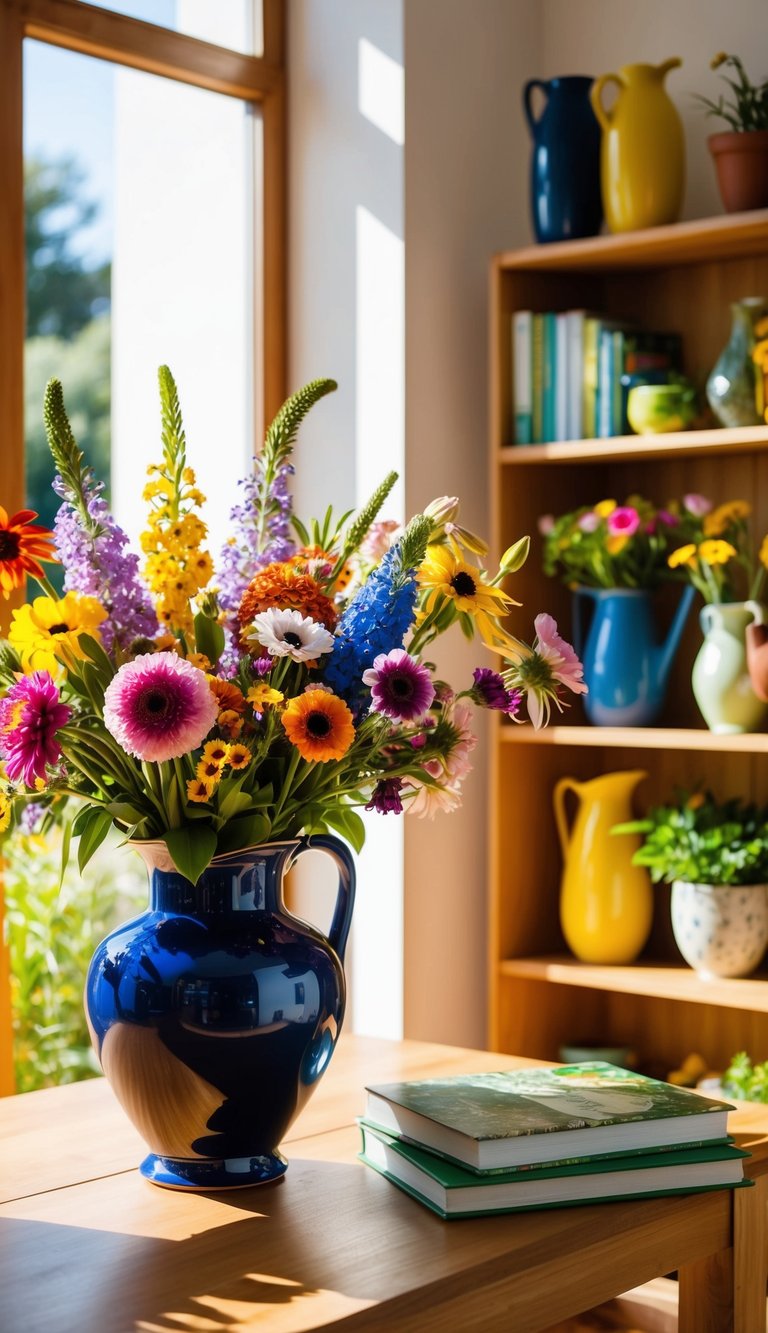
pixel 539 1114
pixel 452 1191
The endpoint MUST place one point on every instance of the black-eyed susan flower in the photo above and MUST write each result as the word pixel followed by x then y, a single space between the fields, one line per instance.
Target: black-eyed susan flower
pixel 320 725
pixel 239 757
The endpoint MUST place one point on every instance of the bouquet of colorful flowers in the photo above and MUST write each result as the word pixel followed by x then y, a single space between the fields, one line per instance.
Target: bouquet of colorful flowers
pixel 718 556
pixel 272 699
pixel 608 545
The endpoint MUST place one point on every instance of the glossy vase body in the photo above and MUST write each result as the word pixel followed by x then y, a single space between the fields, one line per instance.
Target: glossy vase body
pixel 721 682
pixel 721 931
pixel 606 903
pixel 626 665
pixel 215 1012
pixel 565 160
pixel 732 383
pixel 642 155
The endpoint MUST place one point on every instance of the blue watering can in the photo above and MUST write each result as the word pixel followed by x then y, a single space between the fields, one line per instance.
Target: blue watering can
pixel 625 667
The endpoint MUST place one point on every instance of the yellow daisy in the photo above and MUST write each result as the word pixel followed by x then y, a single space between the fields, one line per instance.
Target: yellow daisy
pixel 615 544
pixel 716 552
pixel 45 627
pixel 199 791
pixel 684 555
pixel 732 512
pixel 239 756
pixel 209 772
pixel 604 507
pixel 216 752
pixel 443 575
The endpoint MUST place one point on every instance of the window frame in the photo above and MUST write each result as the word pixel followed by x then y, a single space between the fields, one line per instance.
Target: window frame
pixel 260 80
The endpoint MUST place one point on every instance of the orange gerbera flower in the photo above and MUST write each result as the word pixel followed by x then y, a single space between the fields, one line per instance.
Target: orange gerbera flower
pixel 228 696
pixel 282 586
pixel 319 724
pixel 22 545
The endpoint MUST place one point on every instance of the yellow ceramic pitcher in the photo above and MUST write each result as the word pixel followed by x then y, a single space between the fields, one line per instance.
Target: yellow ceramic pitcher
pixel 642 153
pixel 606 903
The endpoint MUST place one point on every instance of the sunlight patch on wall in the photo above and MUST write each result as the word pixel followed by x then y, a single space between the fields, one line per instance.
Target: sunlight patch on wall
pixel 381 90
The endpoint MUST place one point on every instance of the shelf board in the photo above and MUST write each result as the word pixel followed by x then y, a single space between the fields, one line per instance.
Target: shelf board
pixel 638 448
pixel 634 738
pixel 657 980
pixel 699 241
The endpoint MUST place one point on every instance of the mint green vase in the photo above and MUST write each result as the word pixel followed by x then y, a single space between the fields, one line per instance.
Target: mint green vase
pixel 721 684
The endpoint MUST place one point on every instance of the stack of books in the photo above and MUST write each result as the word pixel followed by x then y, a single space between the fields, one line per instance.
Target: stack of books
pixel 572 372
pixel 546 1138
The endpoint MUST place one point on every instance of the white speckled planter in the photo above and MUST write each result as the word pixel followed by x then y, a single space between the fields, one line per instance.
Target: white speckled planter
pixel 721 931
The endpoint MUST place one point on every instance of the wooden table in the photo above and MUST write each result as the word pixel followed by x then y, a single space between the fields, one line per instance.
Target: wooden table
pixel 88 1246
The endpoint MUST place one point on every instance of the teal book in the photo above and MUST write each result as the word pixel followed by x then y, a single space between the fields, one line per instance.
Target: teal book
pixel 451 1191
pixel 539 1114
pixel 522 377
pixel 537 378
pixel 549 388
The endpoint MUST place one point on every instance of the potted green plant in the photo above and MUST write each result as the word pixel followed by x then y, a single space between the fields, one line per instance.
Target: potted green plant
pixel 715 856
pixel 741 152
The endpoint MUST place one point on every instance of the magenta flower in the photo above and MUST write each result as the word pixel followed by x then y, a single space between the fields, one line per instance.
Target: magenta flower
pixel 30 715
pixel 623 521
pixel 159 707
pixel 400 687
pixel 490 691
pixel 386 797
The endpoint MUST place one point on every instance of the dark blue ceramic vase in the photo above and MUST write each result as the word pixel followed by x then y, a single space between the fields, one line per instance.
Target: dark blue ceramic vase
pixel 216 1011
pixel 565 161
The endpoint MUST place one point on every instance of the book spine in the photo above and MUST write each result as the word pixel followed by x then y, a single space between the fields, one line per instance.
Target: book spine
pixel 617 370
pixel 561 377
pixel 591 334
pixel 575 391
pixel 550 370
pixel 522 378
pixel 537 377
pixel 604 383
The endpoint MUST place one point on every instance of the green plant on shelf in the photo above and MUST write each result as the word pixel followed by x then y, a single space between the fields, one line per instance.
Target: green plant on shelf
pixel 746 1080
pixel 703 841
pixel 747 107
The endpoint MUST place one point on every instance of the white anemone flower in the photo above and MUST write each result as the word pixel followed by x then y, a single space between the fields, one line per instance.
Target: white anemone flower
pixel 286 633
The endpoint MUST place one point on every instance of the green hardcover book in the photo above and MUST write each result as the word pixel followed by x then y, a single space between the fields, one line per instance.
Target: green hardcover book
pixel 539 1114
pixel 454 1192
pixel 537 377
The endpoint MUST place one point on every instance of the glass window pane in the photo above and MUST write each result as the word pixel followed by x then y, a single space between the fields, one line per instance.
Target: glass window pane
pixel 233 23
pixel 140 239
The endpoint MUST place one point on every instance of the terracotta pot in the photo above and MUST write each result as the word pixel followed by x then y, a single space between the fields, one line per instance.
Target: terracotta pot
pixel 741 161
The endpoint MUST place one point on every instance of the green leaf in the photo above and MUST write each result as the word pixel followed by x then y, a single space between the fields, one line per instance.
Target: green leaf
pixel 348 823
pixel 235 803
pixel 96 654
pixel 209 637
pixel 66 842
pixel 247 831
pixel 125 813
pixel 192 848
pixel 93 835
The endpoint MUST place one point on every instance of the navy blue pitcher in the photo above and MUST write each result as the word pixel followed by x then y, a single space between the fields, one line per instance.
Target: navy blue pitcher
pixel 565 162
pixel 215 1012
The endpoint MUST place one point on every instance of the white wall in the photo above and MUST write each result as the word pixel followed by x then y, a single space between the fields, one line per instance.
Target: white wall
pixel 346 322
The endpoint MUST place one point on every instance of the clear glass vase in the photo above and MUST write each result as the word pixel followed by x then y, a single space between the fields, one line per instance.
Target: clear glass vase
pixel 731 387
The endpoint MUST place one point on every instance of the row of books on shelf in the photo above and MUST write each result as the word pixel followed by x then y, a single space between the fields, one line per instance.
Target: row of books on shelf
pixel 546 1138
pixel 572 372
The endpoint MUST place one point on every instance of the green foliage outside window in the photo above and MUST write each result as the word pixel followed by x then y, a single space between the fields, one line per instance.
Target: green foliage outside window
pixel 52 932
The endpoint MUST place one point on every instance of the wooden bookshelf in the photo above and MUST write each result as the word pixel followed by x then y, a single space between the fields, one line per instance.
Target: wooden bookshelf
pixel 680 278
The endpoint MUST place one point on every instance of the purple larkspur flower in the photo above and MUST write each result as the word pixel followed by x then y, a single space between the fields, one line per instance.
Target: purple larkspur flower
pixel 30 715
pixel 101 567
pixel 257 539
pixel 31 817
pixel 159 706
pixel 400 687
pixel 386 797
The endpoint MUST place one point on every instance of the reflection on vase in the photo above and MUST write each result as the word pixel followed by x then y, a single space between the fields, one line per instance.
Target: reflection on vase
pixel 215 1013
pixel 625 667
pixel 732 384
pixel 606 903
pixel 721 684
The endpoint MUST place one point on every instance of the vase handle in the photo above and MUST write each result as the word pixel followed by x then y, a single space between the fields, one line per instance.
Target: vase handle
pixel 345 899
pixel 604 116
pixel 561 788
pixel 757 612
pixel 527 107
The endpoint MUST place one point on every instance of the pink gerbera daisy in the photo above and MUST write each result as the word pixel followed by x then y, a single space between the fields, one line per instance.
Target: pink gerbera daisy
pixel 400 687
pixel 159 707
pixel 30 715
